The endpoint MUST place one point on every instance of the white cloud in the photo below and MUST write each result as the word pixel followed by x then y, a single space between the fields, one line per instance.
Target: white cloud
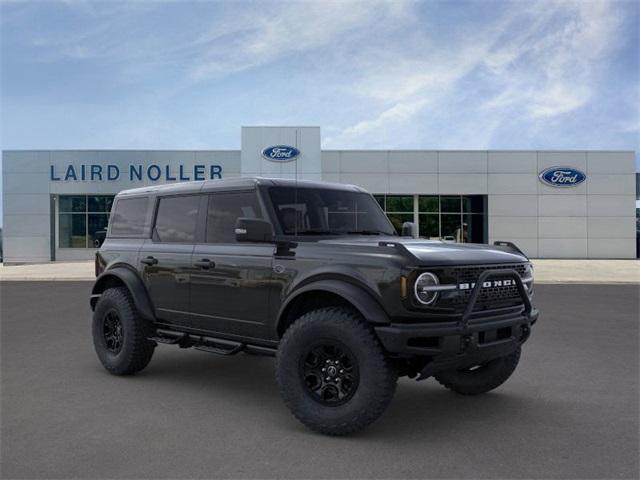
pixel 294 27
pixel 543 57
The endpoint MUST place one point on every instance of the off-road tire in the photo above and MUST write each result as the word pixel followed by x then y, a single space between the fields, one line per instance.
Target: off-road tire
pixel 136 350
pixel 377 376
pixel 481 380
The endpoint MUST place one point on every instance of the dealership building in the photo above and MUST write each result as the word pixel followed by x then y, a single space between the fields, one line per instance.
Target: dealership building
pixel 552 204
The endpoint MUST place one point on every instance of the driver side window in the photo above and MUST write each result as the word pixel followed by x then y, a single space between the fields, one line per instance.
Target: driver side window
pixel 224 209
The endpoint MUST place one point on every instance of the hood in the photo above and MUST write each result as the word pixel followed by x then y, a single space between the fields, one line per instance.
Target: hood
pixel 436 252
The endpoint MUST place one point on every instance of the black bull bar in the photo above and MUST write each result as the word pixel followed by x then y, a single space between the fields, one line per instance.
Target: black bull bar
pixel 459 342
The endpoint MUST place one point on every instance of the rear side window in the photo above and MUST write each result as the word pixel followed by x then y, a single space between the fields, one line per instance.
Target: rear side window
pixel 224 210
pixel 176 219
pixel 129 216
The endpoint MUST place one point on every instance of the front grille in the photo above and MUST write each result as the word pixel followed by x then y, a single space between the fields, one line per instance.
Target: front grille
pixel 491 297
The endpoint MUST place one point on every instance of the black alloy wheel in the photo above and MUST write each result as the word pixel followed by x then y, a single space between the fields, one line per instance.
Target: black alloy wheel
pixel 330 373
pixel 112 332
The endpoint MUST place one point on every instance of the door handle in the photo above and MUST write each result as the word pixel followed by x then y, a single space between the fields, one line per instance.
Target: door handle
pixel 149 261
pixel 204 263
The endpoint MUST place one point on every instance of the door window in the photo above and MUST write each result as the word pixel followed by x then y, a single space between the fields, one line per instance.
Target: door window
pixel 176 219
pixel 225 209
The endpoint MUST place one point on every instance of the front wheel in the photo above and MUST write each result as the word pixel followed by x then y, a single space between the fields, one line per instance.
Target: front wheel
pixel 480 378
pixel 333 373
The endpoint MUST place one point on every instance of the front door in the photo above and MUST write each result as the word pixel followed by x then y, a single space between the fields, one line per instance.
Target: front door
pixel 166 258
pixel 230 289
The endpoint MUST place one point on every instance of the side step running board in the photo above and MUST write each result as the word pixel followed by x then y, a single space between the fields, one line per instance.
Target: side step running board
pixel 219 346
pixel 168 337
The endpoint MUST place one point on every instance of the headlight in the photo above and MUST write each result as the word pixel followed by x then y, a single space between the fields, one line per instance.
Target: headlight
pixel 528 278
pixel 425 288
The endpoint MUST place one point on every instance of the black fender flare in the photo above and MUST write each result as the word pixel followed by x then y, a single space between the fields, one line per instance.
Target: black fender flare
pixel 133 282
pixel 362 300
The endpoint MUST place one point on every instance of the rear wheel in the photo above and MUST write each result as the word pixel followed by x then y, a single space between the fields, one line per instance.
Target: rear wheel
pixel 480 378
pixel 120 334
pixel 332 372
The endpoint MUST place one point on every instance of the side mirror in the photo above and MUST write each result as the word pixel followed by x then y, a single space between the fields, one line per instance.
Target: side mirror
pixel 408 229
pixel 253 230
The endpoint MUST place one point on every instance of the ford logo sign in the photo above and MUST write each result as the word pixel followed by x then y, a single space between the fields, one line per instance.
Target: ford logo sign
pixel 562 177
pixel 281 153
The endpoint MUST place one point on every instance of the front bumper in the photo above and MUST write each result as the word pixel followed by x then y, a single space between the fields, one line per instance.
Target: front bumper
pixel 476 337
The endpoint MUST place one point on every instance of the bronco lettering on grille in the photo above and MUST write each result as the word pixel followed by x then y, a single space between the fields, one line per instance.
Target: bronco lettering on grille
pixel 487 284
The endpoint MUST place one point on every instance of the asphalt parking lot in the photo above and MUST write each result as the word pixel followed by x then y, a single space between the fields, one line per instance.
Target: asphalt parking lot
pixel 570 411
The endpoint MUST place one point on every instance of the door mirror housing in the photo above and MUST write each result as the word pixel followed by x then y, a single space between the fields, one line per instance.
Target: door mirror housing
pixel 253 230
pixel 408 229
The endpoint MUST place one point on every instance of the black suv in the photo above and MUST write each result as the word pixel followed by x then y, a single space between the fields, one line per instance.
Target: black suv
pixel 316 275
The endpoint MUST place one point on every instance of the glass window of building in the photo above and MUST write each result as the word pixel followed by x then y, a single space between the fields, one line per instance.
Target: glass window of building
pixel 399 209
pixel 452 218
pixel 83 220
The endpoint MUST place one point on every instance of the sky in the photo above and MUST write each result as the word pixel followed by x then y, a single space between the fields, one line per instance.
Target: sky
pixel 375 74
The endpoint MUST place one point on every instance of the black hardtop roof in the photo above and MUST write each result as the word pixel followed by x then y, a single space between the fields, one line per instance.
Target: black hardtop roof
pixel 235 183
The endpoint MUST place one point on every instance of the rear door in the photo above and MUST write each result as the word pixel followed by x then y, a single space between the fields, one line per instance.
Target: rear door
pixel 166 257
pixel 230 290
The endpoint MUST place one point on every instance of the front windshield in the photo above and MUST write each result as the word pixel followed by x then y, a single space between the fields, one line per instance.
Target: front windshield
pixel 323 211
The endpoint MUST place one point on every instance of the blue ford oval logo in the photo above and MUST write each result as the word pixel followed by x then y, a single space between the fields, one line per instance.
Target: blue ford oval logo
pixel 280 153
pixel 562 177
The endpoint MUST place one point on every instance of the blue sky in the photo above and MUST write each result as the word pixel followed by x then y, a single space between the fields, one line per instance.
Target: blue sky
pixel 448 75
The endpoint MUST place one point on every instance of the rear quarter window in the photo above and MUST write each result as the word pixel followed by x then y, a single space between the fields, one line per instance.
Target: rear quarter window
pixel 129 217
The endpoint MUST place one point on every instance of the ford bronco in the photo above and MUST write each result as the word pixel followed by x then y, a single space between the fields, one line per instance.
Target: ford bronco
pixel 316 275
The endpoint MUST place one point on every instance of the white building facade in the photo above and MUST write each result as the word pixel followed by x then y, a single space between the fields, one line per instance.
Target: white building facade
pixel 552 204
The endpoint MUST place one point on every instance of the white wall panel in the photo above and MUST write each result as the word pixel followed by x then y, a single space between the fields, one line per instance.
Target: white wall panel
pixel 575 159
pixel 513 227
pixel 612 248
pixel 356 161
pixel 330 161
pixel 413 183
pixel 462 162
pixel 26 225
pixel 612 227
pixel 599 184
pixel 26 249
pixel 25 183
pixel 373 182
pixel 562 205
pixel 562 227
pixel 31 161
pixel 462 183
pixel 611 205
pixel 562 247
pixel 331 177
pixel 611 162
pixel 513 205
pixel 513 183
pixel 413 162
pixel 513 162
pixel 26 204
